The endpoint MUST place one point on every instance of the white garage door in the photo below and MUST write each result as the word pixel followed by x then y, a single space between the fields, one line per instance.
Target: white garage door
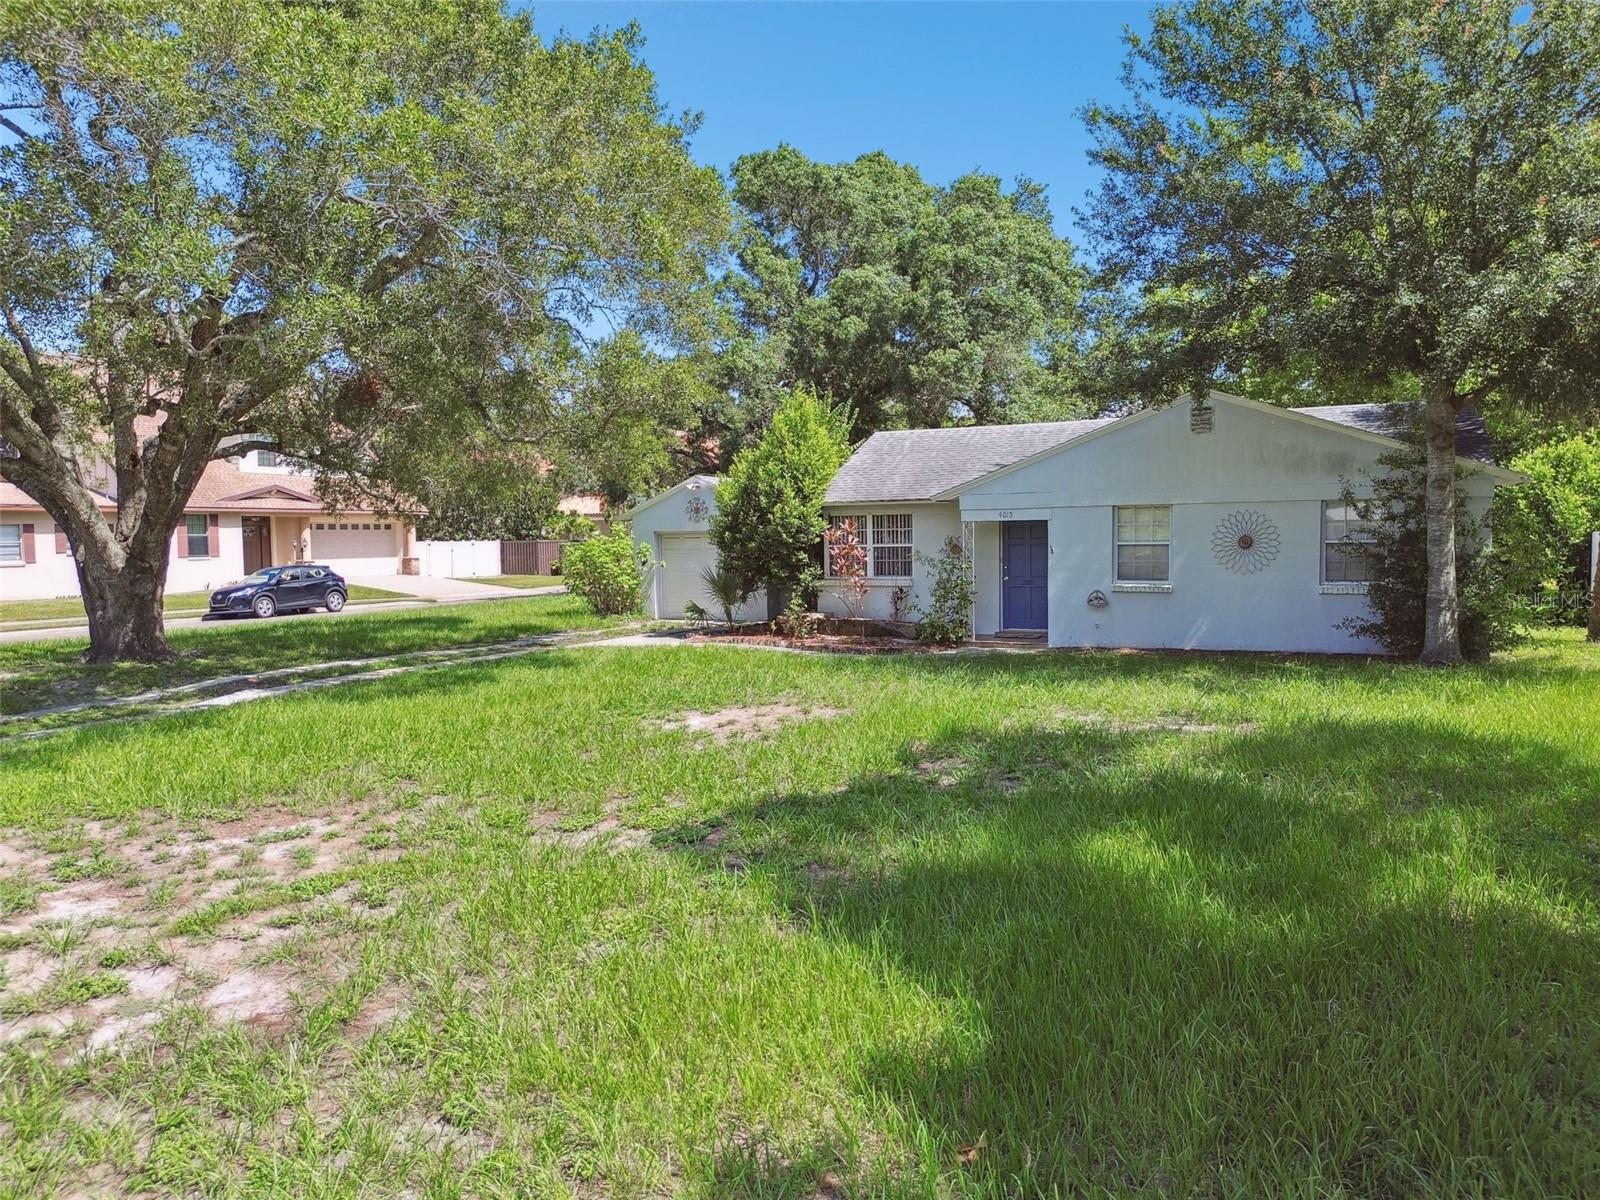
pixel 356 547
pixel 683 556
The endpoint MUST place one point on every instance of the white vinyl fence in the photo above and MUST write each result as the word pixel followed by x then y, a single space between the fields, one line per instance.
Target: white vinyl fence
pixel 459 560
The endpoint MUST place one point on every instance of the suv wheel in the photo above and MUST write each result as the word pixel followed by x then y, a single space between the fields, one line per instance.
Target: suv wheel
pixel 265 606
pixel 334 600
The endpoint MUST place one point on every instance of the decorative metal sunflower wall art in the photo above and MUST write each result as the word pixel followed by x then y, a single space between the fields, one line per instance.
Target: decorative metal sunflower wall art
pixel 1245 542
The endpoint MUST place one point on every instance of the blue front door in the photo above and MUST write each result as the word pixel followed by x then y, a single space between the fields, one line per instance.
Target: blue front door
pixel 1024 568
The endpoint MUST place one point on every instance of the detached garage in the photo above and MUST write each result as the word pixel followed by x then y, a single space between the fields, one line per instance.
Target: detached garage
pixel 674 525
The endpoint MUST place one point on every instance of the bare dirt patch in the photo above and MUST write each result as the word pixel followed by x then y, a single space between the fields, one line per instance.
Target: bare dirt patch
pixel 744 722
pixel 252 997
pixel 383 1007
pixel 941 772
pixel 181 915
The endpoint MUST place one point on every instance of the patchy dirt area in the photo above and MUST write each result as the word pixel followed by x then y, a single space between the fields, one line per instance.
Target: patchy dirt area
pixel 106 927
pixel 744 722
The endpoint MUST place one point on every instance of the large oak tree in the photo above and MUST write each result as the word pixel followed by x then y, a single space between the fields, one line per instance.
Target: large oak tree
pixel 917 305
pixel 1385 190
pixel 371 233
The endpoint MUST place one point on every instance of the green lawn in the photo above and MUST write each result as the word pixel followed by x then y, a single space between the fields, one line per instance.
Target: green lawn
pixel 174 604
pixel 34 674
pixel 1072 924
pixel 519 581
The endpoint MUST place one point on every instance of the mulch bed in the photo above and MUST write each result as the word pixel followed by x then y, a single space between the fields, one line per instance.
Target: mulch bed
pixel 831 643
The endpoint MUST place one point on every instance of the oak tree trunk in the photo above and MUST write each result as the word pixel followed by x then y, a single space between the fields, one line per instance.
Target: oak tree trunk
pixel 124 600
pixel 1441 638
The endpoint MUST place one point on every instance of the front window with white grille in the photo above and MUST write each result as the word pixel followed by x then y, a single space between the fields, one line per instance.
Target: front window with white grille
pixel 886 538
pixel 891 544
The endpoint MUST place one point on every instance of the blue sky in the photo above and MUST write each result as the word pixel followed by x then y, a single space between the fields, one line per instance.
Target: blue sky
pixel 947 87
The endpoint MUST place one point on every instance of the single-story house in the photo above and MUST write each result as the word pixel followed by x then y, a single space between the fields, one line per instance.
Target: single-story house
pixel 1215 525
pixel 248 512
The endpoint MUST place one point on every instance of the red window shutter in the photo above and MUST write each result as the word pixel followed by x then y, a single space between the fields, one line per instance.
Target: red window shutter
pixel 61 541
pixel 27 543
pixel 183 537
pixel 213 535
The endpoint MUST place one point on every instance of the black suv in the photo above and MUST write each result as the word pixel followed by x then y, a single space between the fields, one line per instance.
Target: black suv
pixel 280 589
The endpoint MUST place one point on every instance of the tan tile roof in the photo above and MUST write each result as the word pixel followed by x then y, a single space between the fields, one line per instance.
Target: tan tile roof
pixel 226 488
pixel 13 497
pixel 585 504
pixel 223 488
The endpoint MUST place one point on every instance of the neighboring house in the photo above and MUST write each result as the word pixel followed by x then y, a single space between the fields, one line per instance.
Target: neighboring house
pixel 589 505
pixel 249 512
pixel 1215 526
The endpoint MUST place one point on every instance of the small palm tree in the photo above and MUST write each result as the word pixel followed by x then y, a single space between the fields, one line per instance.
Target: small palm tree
pixel 726 588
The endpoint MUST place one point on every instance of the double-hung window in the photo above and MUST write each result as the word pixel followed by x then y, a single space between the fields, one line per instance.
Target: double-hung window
pixel 11 543
pixel 1144 543
pixel 1344 534
pixel 199 540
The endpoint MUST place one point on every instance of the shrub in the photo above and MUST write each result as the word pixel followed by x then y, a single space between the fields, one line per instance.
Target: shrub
pixel 768 527
pixel 607 571
pixel 797 620
pixel 847 559
pixel 1542 527
pixel 1397 556
pixel 951 595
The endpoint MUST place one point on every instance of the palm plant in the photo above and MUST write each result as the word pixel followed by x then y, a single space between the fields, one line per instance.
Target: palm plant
pixel 726 588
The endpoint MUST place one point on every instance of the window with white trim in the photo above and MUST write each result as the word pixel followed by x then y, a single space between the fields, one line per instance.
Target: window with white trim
pixel 1144 543
pixel 270 459
pixel 10 543
pixel 891 545
pixel 1343 535
pixel 195 529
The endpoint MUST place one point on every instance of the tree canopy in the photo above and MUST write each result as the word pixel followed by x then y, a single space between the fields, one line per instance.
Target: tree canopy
pixel 917 305
pixel 1542 529
pixel 367 234
pixel 1376 189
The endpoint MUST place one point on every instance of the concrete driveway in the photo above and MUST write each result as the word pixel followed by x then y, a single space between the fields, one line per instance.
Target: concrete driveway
pixel 429 588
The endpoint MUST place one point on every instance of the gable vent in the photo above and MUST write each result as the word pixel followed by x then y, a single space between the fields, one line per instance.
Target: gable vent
pixel 1202 417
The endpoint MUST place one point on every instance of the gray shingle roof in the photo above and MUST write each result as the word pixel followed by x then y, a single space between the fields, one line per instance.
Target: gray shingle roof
pixel 919 464
pixel 1392 421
